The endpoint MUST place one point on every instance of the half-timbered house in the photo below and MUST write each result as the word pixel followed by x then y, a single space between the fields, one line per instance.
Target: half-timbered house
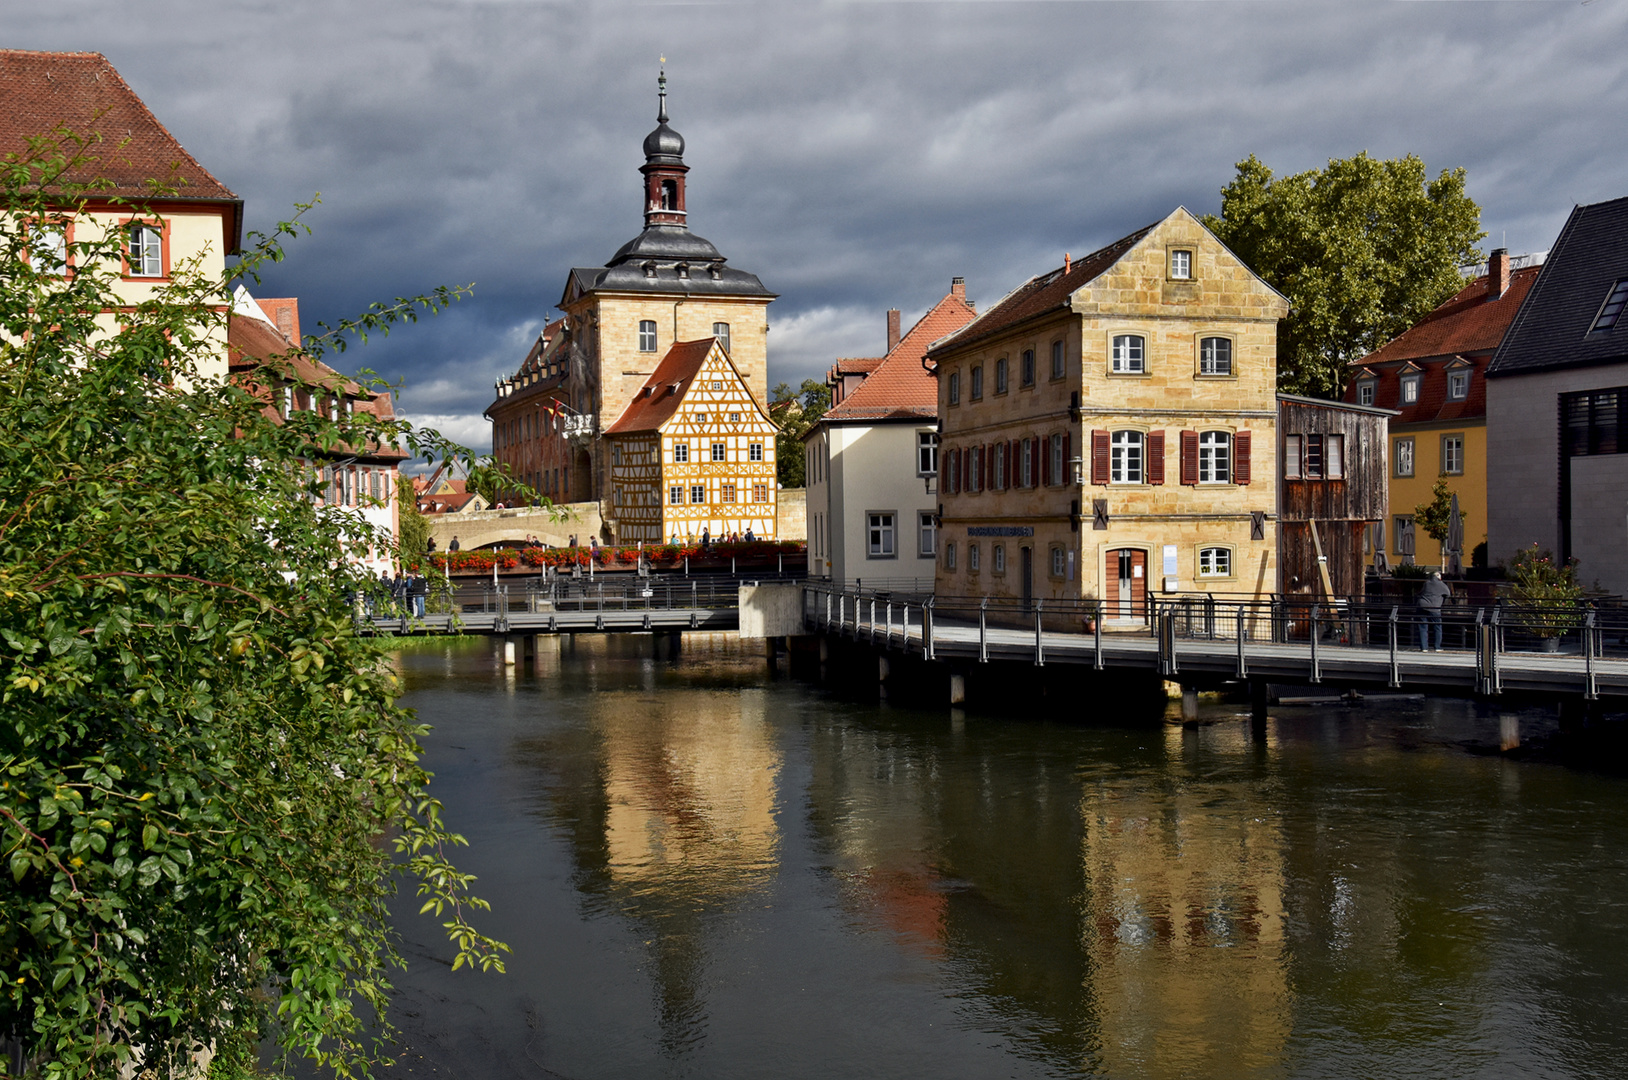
pixel 692 455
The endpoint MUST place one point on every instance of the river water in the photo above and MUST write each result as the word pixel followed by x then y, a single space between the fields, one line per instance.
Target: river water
pixel 707 872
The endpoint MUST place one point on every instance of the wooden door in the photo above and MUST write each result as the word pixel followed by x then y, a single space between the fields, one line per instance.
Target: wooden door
pixel 1125 582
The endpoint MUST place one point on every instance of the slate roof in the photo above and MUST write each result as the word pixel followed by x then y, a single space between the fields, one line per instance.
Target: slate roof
pixel 652 263
pixel 1469 322
pixel 1045 293
pixel 667 386
pixel 1551 330
pixel 40 90
pixel 900 388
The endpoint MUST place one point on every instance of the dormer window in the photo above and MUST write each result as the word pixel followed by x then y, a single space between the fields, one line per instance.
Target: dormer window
pixel 1410 389
pixel 683 270
pixel 649 268
pixel 1458 385
pixel 1365 392
pixel 716 270
pixel 1615 300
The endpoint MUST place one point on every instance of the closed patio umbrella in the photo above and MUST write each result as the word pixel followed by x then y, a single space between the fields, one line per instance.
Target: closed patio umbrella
pixel 1454 548
pixel 1382 565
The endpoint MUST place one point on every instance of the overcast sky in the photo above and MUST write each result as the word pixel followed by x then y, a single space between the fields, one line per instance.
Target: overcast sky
pixel 855 156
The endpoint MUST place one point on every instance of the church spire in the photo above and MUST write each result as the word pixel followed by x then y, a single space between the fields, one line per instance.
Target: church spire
pixel 661 92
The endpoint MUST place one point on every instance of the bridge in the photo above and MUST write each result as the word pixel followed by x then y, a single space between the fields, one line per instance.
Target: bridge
pixel 1198 641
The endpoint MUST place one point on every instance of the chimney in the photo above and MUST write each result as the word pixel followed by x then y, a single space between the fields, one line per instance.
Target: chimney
pixel 1498 273
pixel 958 288
pixel 892 329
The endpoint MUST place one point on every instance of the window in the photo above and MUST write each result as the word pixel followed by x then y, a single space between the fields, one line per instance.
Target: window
pixel 1214 457
pixel 734 418
pixel 1458 385
pixel 717 451
pixel 647 335
pixel 1215 356
pixel 681 452
pixel 1129 354
pixel 760 493
pixel 698 493
pixel 926 535
pixel 1057 360
pixel 1181 265
pixel 998 466
pixel 949 556
pixel 977 387
pixel 754 452
pixel 1027 373
pixel 1314 457
pixel 1000 376
pixel 48 249
pixel 999 553
pixel 1452 455
pixel 1402 535
pixel 728 493
pixel 972 558
pixel 1215 562
pixel 977 469
pixel 1125 458
pixel 1615 300
pixel 955 388
pixel 1410 389
pixel 1058 562
pixel 720 330
pixel 1026 463
pixel 616 454
pixel 926 453
pixel 146 251
pixel 1057 476
pixel 879 535
pixel 1403 454
pixel 1596 422
pixel 1365 392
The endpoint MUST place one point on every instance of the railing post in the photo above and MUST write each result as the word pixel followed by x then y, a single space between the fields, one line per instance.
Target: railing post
pixel 983 631
pixel 1396 674
pixel 872 621
pixel 1098 623
pixel 1039 643
pixel 1242 666
pixel 927 628
pixel 1316 670
pixel 1590 690
pixel 887 635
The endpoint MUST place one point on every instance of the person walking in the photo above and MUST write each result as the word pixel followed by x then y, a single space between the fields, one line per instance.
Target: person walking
pixel 420 592
pixel 1431 596
pixel 454 546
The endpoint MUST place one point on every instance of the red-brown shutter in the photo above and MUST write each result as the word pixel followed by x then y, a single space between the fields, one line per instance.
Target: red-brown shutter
pixel 1155 457
pixel 1189 457
pixel 1099 457
pixel 1240 458
pixel 1067 468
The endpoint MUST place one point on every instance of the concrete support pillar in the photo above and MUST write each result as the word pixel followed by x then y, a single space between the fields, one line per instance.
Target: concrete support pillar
pixel 508 652
pixel 1189 704
pixel 1257 709
pixel 958 688
pixel 771 653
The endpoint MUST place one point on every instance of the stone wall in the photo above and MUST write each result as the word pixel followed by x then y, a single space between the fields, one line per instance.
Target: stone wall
pixel 791 514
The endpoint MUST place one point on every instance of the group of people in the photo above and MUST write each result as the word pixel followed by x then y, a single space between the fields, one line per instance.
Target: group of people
pixel 403 594
pixel 727 538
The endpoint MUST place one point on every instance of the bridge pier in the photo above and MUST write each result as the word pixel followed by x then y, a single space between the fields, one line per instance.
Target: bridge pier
pixel 508 652
pixel 883 670
pixel 958 687
pixel 1258 693
pixel 1189 704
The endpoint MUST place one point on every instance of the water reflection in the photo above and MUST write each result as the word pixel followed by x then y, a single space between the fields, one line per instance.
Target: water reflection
pixel 813 887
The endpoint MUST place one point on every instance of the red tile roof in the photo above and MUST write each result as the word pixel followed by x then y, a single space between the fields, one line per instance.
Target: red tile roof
pixel 664 391
pixel 1047 292
pixel 1469 322
pixel 40 90
pixel 900 388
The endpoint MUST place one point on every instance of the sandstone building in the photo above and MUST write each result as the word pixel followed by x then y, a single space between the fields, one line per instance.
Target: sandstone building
pixel 1110 428
pixel 665 287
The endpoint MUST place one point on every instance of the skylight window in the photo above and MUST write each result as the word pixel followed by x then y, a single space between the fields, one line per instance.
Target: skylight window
pixel 1614 303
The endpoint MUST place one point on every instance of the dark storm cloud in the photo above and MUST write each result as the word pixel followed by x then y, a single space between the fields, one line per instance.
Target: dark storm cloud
pixel 855 156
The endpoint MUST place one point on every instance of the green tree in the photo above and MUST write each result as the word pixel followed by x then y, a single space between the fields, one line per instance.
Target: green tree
pixel 414 527
pixel 206 785
pixel 1362 249
pixel 803 410
pixel 1434 515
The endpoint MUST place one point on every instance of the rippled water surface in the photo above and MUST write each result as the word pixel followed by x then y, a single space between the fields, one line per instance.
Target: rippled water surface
pixel 705 872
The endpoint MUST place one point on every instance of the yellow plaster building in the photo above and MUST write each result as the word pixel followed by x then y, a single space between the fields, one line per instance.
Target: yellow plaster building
pixel 665 287
pixel 1110 427
pixel 693 453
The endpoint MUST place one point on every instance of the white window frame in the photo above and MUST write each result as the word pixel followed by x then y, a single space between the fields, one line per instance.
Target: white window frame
pixel 1458 385
pixel 972 558
pixel 926 453
pixel 720 330
pixel 998 562
pixel 1058 562
pixel 681 453
pixel 926 534
pixel 1181 264
pixel 1452 455
pixel 48 249
pixel 1410 389
pixel 1367 390
pixel 1000 375
pixel 719 451
pixel 949 555
pixel 1059 360
pixel 647 335
pixel 1215 357
pixel 1127 457
pixel 698 494
pixel 1130 355
pixel 1403 457
pixel 1214 457
pixel 754 451
pixel 955 388
pixel 675 495
pixel 881 534
pixel 975 388
pixel 1215 562
pixel 144 250
pixel 1026 463
pixel 1055 448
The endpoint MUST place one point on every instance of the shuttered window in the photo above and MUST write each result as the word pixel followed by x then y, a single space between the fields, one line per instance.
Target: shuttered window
pixel 1155 469
pixel 1099 457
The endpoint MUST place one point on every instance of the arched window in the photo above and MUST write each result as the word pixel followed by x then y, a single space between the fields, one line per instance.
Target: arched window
pixel 1027 374
pixel 1000 376
pixel 669 195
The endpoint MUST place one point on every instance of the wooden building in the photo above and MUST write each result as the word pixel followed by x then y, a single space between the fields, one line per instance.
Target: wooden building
pixel 1333 487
